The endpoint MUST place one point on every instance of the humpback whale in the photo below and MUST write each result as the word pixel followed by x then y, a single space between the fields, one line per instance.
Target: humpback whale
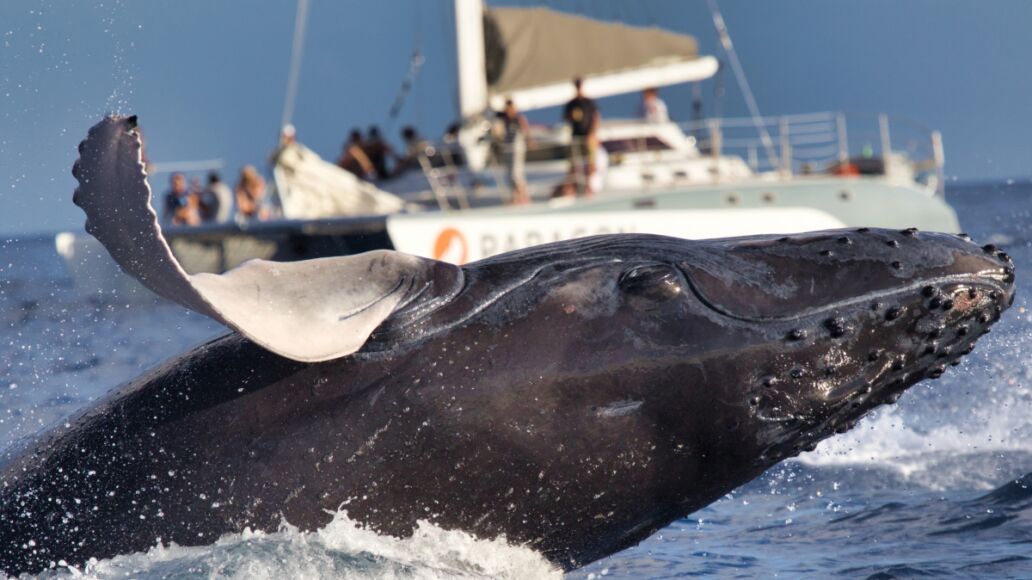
pixel 573 397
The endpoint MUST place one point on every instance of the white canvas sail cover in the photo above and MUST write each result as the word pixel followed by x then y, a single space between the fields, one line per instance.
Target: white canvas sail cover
pixel 312 188
pixel 534 53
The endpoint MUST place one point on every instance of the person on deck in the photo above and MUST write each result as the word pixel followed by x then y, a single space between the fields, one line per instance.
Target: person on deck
pixel 354 159
pixel 288 135
pixel 583 116
pixel 653 109
pixel 216 201
pixel 180 203
pixel 196 193
pixel 250 192
pixel 415 145
pixel 512 132
pixel 378 150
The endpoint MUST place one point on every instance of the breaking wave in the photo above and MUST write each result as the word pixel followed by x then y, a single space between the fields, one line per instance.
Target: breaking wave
pixel 342 548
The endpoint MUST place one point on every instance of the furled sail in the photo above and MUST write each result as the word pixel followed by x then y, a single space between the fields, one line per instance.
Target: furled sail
pixel 312 188
pixel 532 54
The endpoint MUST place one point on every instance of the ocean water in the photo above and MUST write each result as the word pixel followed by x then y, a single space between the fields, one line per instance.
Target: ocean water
pixel 938 485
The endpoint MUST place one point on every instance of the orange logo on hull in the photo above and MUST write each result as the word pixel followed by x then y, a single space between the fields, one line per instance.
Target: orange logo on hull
pixel 451 246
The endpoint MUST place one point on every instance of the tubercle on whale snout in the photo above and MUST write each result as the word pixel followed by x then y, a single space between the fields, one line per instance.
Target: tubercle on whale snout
pixel 830 362
pixel 934 329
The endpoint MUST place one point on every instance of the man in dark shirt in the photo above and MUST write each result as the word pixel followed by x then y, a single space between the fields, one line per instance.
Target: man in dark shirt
pixel 377 150
pixel 583 116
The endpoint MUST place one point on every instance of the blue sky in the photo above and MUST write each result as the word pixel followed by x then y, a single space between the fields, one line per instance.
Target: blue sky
pixel 207 77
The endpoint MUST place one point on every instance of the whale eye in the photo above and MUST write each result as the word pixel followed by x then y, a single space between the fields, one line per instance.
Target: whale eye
pixel 655 281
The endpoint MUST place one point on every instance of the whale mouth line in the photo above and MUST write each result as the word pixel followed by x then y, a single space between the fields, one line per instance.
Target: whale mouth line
pixel 992 279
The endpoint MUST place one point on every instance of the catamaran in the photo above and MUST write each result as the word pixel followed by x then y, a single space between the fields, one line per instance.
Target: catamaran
pixel 706 178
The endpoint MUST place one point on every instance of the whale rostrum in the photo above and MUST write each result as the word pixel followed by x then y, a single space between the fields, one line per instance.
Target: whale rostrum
pixel 573 397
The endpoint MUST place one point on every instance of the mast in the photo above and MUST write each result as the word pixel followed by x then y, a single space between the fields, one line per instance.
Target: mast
pixel 472 80
pixel 297 46
pixel 469 44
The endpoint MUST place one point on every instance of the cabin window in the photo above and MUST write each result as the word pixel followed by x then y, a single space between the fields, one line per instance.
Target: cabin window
pixel 635 144
pixel 547 152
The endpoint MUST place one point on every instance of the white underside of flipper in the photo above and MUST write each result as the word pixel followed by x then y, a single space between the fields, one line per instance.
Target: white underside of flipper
pixel 309 311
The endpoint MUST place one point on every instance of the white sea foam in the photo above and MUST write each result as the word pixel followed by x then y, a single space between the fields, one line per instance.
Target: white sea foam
pixel 961 432
pixel 889 441
pixel 341 549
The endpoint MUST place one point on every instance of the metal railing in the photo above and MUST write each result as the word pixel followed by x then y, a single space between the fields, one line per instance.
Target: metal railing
pixel 826 142
pixel 441 164
pixel 453 185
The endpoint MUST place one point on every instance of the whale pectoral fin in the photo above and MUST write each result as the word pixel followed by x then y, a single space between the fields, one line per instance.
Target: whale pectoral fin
pixel 309 311
pixel 114 193
pixel 314 310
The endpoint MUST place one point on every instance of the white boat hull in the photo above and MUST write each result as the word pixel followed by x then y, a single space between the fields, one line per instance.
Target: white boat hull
pixel 460 239
pixel 714 211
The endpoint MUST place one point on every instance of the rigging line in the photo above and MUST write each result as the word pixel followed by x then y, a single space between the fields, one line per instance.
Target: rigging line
pixel 743 83
pixel 408 83
pixel 300 20
pixel 417 40
pixel 415 64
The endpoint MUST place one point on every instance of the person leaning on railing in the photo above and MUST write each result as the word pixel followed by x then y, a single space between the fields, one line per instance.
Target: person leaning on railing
pixel 216 200
pixel 250 192
pixel 354 159
pixel 652 108
pixel 415 145
pixel 378 151
pixel 180 203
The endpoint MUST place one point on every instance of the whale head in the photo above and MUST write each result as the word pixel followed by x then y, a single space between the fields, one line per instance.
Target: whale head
pixel 782 340
pixel 841 322
pixel 665 372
